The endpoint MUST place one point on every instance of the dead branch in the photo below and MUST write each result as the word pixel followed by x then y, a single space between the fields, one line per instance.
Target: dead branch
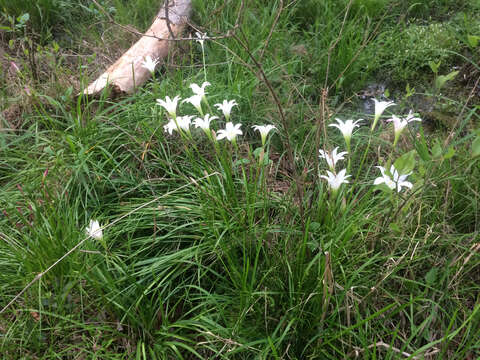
pixel 128 73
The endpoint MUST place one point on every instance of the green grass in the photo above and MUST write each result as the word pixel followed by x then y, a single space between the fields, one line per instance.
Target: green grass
pixel 211 252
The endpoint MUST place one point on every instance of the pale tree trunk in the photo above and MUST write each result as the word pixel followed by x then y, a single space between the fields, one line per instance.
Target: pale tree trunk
pixel 127 73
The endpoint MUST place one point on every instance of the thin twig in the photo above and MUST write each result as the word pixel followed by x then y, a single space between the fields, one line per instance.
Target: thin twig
pixel 40 275
pixel 168 20
pixel 170 38
pixel 358 351
pixel 291 158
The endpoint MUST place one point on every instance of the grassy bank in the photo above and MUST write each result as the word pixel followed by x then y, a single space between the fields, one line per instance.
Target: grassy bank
pixel 237 250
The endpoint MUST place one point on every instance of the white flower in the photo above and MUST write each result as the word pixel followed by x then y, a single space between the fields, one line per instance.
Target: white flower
pixel 150 63
pixel 201 37
pixel 264 130
pixel 394 180
pixel 336 180
pixel 332 158
pixel 181 122
pixel 184 122
pixel 94 230
pixel 204 123
pixel 400 123
pixel 226 107
pixel 200 90
pixel 196 101
pixel 171 125
pixel 346 129
pixel 170 105
pixel 230 132
pixel 380 107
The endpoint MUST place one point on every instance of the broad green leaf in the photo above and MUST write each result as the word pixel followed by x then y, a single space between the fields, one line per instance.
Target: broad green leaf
pixel 243 161
pixel 476 146
pixel 434 66
pixel 395 228
pixel 442 79
pixel 473 40
pixel 422 148
pixel 431 276
pixel 257 151
pixel 437 150
pixel 23 18
pixel 405 163
pixel 449 154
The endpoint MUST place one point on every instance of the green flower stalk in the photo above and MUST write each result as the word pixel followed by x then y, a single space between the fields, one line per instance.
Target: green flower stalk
pixel 201 38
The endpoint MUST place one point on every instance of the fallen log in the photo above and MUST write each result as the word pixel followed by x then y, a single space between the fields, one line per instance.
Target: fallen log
pixel 128 72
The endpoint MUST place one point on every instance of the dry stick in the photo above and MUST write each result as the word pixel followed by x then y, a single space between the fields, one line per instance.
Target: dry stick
pixel 358 351
pixel 132 31
pixel 327 291
pixel 40 275
pixel 168 20
pixel 473 249
pixel 291 159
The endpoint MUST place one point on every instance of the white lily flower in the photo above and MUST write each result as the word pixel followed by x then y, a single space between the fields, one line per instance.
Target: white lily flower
pixel 380 107
pixel 170 127
pixel 196 101
pixel 201 37
pixel 200 90
pixel 346 128
pixel 226 107
pixel 181 122
pixel 170 105
pixel 264 130
pixel 336 180
pixel 94 230
pixel 394 180
pixel 332 158
pixel 400 123
pixel 230 132
pixel 150 63
pixel 204 123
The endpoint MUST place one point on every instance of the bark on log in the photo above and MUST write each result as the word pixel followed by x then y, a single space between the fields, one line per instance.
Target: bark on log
pixel 127 73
